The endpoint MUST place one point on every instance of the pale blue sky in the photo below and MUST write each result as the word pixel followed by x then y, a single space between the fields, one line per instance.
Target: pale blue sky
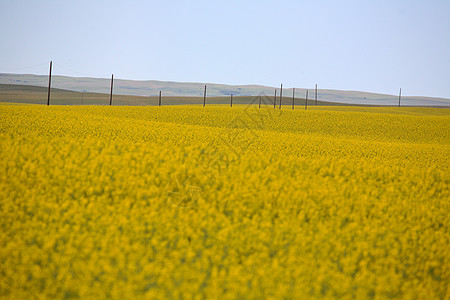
pixel 375 46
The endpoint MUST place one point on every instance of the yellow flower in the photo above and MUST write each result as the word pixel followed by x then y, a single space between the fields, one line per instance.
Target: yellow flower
pixel 224 203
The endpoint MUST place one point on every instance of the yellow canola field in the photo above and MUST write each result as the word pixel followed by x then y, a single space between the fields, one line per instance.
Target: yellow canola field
pixel 186 202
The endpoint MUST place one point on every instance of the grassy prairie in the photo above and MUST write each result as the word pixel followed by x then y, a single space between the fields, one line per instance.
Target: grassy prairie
pixel 225 203
pixel 12 93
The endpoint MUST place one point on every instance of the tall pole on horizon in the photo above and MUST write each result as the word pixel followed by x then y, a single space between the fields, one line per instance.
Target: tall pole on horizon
pixel 293 93
pixel 231 101
pixel 159 102
pixel 306 100
pixel 399 97
pixel 49 83
pixel 316 94
pixel 204 97
pixel 281 94
pixel 110 94
pixel 275 99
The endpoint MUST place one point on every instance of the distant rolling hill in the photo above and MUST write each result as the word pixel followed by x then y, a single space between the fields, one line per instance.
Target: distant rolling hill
pixel 150 89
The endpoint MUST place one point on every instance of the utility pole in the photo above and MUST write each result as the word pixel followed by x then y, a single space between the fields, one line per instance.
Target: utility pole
pixel 159 101
pixel 204 97
pixel 316 94
pixel 275 99
pixel 293 93
pixel 281 94
pixel 110 95
pixel 49 83
pixel 306 100
pixel 399 97
pixel 231 101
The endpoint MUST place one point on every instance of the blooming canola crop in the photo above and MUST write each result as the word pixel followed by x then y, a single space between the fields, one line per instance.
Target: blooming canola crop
pixel 224 203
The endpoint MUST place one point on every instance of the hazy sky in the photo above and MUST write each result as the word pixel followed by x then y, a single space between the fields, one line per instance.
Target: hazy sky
pixel 375 46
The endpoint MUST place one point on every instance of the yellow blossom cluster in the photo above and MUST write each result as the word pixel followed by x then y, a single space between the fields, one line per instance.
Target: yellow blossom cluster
pixel 191 202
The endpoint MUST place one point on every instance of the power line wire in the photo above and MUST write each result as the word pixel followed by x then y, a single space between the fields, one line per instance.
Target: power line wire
pixel 79 73
pixel 25 67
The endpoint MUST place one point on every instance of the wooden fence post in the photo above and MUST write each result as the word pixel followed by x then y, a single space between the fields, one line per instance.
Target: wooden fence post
pixel 293 97
pixel 49 83
pixel 306 100
pixel 281 94
pixel 399 97
pixel 110 95
pixel 275 99
pixel 231 101
pixel 204 97
pixel 316 94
